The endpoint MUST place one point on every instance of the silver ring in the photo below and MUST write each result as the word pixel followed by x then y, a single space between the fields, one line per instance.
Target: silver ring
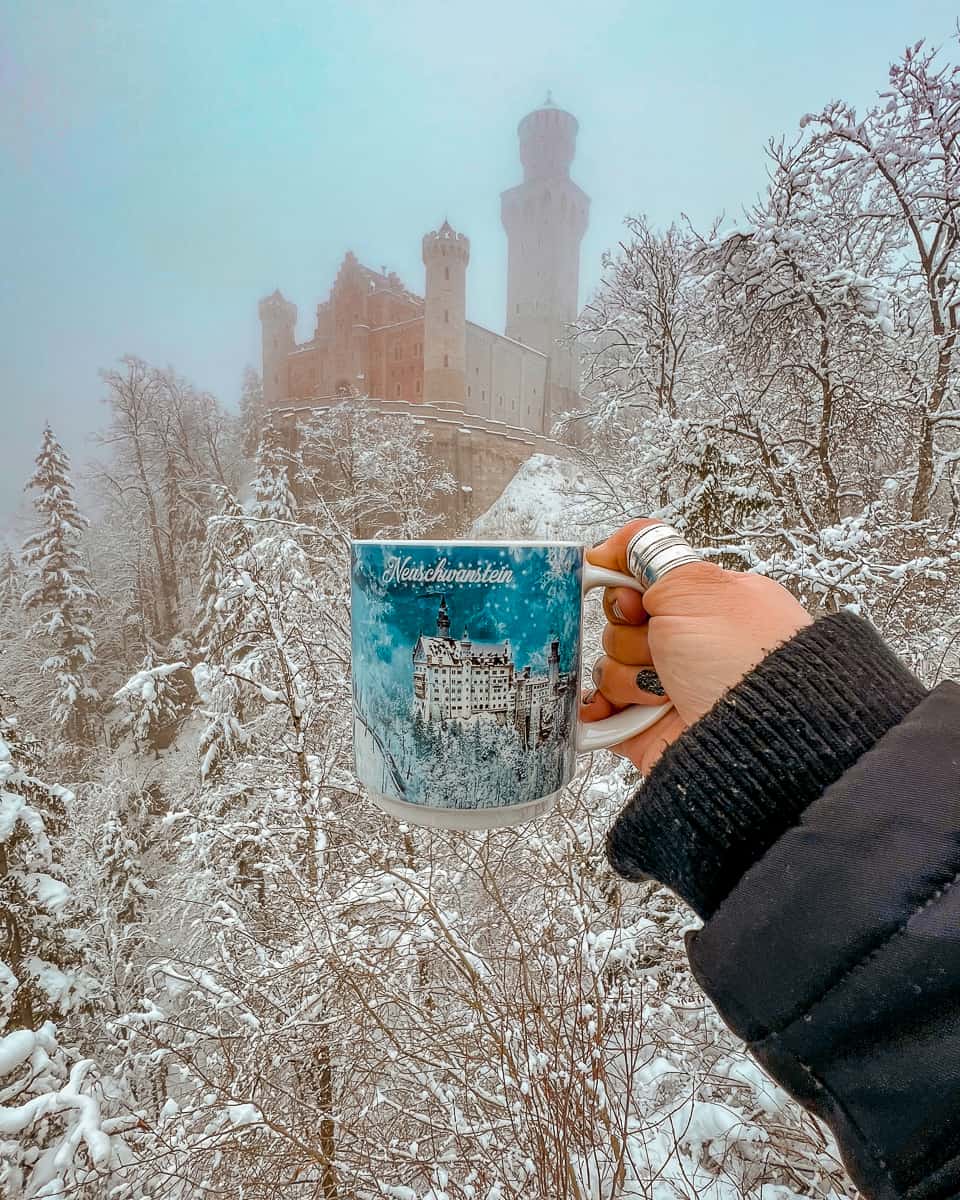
pixel 655 550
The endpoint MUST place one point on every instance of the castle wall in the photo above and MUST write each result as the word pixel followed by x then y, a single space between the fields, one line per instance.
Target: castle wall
pixel 505 380
pixel 483 455
pixel 308 372
pixel 395 361
pixel 373 337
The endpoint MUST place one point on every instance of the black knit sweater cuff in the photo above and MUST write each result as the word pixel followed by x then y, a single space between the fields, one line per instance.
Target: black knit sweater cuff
pixel 738 778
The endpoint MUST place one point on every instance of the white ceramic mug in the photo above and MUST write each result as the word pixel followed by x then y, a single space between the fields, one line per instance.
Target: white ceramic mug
pixel 466 677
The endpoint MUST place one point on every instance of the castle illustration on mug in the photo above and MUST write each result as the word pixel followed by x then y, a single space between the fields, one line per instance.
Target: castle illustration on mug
pixel 459 679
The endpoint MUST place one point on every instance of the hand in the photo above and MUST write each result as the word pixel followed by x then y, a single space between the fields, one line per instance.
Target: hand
pixel 700 627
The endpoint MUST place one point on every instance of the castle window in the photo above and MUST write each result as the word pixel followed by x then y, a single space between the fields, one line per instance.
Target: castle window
pixel 418 387
pixel 469 390
pixel 398 391
pixel 446 315
pixel 446 272
pixel 446 360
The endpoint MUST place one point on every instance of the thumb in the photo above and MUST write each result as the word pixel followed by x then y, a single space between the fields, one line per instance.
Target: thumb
pixel 613 552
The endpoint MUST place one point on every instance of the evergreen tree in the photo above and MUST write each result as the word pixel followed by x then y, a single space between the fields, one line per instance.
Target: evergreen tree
pixel 155 698
pixel 227 537
pixel 721 501
pixel 272 497
pixel 41 973
pixel 59 590
pixel 251 412
pixel 121 869
pixel 9 577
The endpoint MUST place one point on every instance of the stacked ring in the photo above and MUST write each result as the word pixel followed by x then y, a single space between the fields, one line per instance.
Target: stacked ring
pixel 655 550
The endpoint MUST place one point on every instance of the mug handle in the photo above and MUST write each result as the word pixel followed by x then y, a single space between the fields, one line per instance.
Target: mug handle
pixel 600 735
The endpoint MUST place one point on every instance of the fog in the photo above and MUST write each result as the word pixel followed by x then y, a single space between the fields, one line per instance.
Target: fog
pixel 165 166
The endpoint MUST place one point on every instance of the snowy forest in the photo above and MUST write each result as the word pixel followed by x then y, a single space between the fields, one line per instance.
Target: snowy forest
pixel 224 973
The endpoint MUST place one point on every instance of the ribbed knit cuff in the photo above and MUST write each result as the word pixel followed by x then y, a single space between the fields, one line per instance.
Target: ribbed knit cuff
pixel 739 777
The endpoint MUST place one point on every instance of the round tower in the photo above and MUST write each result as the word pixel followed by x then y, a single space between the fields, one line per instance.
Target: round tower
pixel 278 321
pixel 445 256
pixel 545 218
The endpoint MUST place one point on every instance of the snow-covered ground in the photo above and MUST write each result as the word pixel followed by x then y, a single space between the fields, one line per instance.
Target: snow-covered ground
pixel 541 501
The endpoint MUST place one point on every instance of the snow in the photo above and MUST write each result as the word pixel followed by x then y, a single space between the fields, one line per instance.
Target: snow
pixel 85 1126
pixel 143 685
pixel 52 893
pixel 538 502
pixel 483 995
pixel 16 1048
pixel 243 1114
pixel 58 986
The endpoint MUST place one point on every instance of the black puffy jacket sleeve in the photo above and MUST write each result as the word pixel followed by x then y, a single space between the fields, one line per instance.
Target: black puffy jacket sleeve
pixel 812 818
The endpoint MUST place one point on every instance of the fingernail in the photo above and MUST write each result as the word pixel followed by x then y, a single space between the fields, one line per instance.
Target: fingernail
pixel 588 697
pixel 649 681
pixel 617 610
pixel 597 672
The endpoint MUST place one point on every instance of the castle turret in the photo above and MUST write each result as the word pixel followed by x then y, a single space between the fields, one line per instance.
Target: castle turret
pixel 553 664
pixel 443 619
pixel 278 321
pixel 445 256
pixel 545 218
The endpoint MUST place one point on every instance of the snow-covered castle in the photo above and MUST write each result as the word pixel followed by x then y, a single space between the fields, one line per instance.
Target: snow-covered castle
pixel 487 400
pixel 459 679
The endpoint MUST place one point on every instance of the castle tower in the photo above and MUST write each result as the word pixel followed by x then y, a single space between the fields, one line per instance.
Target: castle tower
pixel 554 665
pixel 445 256
pixel 278 320
pixel 443 619
pixel 545 218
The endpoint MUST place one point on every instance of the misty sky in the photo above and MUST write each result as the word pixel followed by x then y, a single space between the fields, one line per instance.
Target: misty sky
pixel 166 164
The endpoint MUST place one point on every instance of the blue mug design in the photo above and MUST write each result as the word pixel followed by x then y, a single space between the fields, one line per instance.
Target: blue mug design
pixel 466 677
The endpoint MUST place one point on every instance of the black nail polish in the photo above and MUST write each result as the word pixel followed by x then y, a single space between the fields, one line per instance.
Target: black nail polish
pixel 649 681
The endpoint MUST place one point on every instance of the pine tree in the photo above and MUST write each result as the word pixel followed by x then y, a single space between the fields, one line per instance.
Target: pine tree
pixel 60 592
pixel 9 577
pixel 272 497
pixel 719 505
pixel 227 537
pixel 251 412
pixel 41 973
pixel 121 869
pixel 155 698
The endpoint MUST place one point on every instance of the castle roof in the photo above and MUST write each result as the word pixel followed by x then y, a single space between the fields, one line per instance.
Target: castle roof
pixel 448 652
pixel 386 281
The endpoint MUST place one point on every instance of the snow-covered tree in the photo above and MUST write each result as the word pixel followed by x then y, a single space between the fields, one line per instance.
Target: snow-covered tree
pixel 272 497
pixel 41 953
pixel 55 1139
pixel 122 869
pixel 170 447
pixel 374 475
pixel 59 592
pixel 155 699
pixel 251 412
pixel 784 391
